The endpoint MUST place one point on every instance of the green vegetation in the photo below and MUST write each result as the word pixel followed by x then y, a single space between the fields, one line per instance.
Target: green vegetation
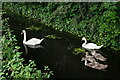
pixel 78 50
pixel 34 28
pixel 52 37
pixel 98 22
pixel 12 63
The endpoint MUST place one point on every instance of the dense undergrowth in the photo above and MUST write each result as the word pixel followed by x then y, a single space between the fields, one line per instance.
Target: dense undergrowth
pixel 98 22
pixel 13 66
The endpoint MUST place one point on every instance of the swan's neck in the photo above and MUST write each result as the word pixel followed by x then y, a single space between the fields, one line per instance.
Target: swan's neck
pixel 84 42
pixel 24 40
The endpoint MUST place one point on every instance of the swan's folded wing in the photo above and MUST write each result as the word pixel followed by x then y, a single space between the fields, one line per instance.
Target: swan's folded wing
pixel 91 45
pixel 33 41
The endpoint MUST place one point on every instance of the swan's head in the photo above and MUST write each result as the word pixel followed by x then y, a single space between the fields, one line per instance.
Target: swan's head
pixel 23 31
pixel 83 38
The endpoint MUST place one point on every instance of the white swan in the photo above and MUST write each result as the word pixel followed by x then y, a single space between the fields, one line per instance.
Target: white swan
pixel 33 41
pixel 90 46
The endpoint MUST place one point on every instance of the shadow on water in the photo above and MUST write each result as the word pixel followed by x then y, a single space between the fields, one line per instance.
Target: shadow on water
pixel 57 54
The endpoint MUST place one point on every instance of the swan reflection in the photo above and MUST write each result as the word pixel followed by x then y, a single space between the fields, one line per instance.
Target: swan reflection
pixel 90 60
pixel 35 46
pixel 31 46
pixel 98 55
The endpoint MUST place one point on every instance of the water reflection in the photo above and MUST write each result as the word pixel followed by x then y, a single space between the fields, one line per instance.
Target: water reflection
pixel 26 50
pixel 98 56
pixel 35 46
pixel 91 60
pixel 31 46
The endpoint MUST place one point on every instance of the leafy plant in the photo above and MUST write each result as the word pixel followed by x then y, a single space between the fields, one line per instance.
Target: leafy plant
pixel 12 63
pixel 99 22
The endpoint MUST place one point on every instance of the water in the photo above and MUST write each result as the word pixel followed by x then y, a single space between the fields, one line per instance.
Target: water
pixel 57 54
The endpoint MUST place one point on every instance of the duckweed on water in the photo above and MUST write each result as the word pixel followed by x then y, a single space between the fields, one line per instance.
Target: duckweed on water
pixel 78 51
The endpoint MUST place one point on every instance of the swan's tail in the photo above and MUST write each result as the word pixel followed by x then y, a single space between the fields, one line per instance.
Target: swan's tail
pixel 42 39
pixel 101 45
pixel 98 47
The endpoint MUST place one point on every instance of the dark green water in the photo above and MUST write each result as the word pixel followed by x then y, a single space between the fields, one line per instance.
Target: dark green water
pixel 57 54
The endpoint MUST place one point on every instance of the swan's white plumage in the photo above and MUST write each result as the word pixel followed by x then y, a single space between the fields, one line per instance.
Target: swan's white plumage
pixel 33 41
pixel 90 46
